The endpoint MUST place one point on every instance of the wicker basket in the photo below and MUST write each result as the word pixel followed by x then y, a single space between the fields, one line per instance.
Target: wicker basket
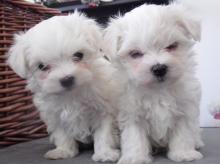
pixel 19 120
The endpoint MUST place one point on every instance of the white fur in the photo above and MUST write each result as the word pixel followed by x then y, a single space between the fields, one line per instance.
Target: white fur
pixel 86 111
pixel 153 113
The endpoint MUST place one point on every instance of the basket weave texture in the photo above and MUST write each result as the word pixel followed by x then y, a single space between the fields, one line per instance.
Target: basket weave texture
pixel 19 120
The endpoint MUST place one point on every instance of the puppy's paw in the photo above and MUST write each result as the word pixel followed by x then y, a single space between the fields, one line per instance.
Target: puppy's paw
pixel 111 155
pixel 199 144
pixel 60 153
pixel 180 156
pixel 135 160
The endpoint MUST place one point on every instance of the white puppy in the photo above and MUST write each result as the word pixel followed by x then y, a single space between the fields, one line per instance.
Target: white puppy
pixel 152 48
pixel 62 61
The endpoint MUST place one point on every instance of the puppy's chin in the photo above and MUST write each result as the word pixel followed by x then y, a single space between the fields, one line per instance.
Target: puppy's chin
pixel 56 89
pixel 154 82
pixel 59 90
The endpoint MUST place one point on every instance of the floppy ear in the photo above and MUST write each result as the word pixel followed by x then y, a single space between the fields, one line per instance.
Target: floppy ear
pixel 187 22
pixel 92 29
pixel 192 28
pixel 113 37
pixel 94 34
pixel 17 57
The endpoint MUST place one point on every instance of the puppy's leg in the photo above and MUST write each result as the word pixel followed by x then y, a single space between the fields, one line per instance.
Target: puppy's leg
pixel 196 131
pixel 66 146
pixel 104 142
pixel 182 143
pixel 135 145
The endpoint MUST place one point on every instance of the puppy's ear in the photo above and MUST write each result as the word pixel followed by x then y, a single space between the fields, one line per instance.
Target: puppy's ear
pixel 17 57
pixel 113 37
pixel 188 23
pixel 94 35
pixel 92 30
pixel 192 28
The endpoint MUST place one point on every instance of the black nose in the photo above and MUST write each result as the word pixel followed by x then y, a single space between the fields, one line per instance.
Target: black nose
pixel 67 81
pixel 159 70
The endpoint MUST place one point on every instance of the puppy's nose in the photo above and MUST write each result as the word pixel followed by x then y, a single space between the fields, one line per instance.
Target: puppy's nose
pixel 159 70
pixel 67 81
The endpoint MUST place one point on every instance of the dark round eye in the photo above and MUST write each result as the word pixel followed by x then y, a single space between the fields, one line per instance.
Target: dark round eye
pixel 172 47
pixel 136 54
pixel 43 67
pixel 78 56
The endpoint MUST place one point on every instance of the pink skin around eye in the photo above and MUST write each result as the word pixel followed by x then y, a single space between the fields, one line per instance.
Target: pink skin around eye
pixel 136 66
pixel 43 75
pixel 133 63
pixel 84 65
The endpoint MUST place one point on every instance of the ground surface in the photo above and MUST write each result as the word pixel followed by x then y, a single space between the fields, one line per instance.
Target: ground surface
pixel 32 152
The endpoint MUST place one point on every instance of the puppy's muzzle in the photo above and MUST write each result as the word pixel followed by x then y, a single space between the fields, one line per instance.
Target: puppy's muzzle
pixel 159 71
pixel 67 81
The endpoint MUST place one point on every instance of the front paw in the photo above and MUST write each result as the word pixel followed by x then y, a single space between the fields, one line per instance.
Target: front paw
pixel 180 156
pixel 111 155
pixel 135 160
pixel 60 153
pixel 199 144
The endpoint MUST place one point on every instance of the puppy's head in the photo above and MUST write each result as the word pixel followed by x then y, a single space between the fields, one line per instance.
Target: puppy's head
pixel 152 44
pixel 57 54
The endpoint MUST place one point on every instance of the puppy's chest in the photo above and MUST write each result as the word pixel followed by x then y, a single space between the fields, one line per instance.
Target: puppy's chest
pixel 161 112
pixel 81 118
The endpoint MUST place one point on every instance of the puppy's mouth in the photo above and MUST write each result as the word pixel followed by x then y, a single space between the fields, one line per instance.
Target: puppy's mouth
pixel 68 89
pixel 161 79
pixel 166 80
pixel 64 91
pixel 155 82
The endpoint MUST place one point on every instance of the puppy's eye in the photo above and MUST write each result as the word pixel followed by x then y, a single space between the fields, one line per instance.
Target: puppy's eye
pixel 136 54
pixel 43 67
pixel 172 47
pixel 78 56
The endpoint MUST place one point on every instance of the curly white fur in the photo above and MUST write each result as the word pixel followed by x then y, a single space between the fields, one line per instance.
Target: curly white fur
pixel 155 112
pixel 84 112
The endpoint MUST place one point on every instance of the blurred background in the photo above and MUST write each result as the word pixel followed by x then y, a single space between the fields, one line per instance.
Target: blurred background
pixel 208 56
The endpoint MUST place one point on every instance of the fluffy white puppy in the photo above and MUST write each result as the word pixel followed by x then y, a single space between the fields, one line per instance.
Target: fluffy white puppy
pixel 72 83
pixel 152 48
